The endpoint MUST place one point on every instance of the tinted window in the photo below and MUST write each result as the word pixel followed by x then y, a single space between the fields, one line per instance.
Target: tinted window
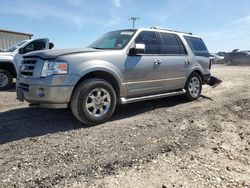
pixel 239 54
pixel 197 45
pixel 34 46
pixel 171 44
pixel 181 45
pixel 150 40
pixel 113 40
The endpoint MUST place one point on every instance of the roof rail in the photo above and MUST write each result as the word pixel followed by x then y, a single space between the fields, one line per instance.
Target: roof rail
pixel 155 27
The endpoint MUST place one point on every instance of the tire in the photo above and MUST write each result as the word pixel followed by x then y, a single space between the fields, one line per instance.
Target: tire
pixel 193 86
pixel 6 80
pixel 93 101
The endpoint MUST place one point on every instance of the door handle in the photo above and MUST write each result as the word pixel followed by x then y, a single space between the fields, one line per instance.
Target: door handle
pixel 157 62
pixel 187 61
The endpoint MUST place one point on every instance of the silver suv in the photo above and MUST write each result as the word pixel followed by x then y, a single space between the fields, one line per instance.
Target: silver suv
pixel 121 67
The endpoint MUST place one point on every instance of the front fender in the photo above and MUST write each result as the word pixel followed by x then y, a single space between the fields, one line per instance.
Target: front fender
pixel 100 65
pixel 6 59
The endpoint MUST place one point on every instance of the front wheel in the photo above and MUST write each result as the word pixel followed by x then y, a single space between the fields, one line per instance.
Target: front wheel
pixel 193 86
pixel 6 80
pixel 93 101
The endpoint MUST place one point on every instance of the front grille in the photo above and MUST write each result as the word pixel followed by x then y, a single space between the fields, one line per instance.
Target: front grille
pixel 29 61
pixel 27 67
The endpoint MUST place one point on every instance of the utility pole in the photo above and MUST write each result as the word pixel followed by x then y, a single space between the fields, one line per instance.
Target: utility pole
pixel 133 19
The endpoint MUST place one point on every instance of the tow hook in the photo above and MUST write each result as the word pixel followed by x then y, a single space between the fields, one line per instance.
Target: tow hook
pixel 214 82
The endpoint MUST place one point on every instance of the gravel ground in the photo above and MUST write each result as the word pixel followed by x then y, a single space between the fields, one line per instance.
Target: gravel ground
pixel 161 143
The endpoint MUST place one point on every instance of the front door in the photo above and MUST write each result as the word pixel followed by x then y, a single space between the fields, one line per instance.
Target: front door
pixel 39 44
pixel 145 72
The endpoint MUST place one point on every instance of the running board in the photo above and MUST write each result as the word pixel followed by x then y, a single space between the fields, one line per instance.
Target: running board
pixel 137 99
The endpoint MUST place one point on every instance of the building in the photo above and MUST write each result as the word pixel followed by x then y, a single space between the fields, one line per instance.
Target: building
pixel 9 38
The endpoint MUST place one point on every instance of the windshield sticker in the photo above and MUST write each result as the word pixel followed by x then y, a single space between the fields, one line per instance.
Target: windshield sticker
pixel 127 33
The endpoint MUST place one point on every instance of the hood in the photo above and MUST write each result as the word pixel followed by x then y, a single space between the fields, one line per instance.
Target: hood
pixel 6 54
pixel 53 54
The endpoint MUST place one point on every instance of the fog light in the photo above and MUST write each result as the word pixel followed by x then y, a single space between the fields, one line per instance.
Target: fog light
pixel 40 92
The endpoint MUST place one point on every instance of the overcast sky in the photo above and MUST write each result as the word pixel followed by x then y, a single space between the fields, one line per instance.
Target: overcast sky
pixel 224 24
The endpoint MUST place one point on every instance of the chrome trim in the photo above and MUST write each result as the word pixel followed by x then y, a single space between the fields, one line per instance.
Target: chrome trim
pixel 160 80
pixel 137 99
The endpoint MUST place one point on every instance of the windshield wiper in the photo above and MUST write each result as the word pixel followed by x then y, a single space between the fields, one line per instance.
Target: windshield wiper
pixel 97 48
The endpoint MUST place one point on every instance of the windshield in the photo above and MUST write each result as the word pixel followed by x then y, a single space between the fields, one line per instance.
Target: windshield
pixel 14 47
pixel 113 40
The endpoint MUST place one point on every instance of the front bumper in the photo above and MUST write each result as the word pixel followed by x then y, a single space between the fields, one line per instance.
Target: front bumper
pixel 45 96
pixel 39 94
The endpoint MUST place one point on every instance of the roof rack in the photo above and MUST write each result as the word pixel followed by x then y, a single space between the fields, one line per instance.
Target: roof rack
pixel 155 27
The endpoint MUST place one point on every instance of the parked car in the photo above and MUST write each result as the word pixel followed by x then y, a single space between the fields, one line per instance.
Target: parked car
pixel 238 58
pixel 221 54
pixel 11 58
pixel 122 66
pixel 217 59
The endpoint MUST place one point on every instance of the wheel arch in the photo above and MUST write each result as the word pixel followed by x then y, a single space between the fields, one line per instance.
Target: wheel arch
pixel 108 76
pixel 10 67
pixel 198 71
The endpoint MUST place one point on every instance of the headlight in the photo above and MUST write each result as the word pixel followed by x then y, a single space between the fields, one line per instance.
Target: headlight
pixel 54 67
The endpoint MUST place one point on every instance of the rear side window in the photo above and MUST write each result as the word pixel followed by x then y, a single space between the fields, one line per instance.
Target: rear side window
pixel 197 45
pixel 150 40
pixel 171 44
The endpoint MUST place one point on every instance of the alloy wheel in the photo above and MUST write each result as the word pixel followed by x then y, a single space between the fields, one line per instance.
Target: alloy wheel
pixel 194 87
pixel 98 102
pixel 3 80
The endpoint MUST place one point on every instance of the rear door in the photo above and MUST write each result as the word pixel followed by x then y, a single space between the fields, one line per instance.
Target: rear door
pixel 176 60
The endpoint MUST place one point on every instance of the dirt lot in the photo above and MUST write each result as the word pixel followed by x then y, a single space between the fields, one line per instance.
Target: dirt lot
pixel 162 143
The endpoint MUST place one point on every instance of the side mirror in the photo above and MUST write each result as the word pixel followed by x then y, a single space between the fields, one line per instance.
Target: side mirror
pixel 51 45
pixel 21 51
pixel 138 49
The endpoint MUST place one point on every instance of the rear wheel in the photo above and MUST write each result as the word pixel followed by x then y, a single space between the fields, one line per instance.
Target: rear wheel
pixel 193 86
pixel 93 101
pixel 6 79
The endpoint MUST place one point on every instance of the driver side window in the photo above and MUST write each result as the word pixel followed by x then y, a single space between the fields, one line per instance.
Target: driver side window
pixel 34 46
pixel 150 40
